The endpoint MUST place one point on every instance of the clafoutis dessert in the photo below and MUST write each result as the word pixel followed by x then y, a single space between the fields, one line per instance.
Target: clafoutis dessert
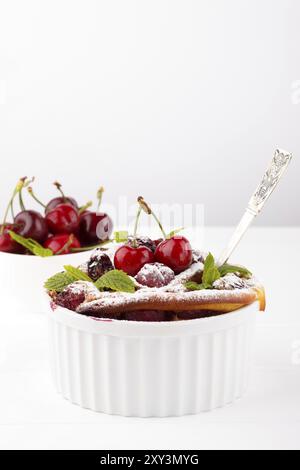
pixel 153 281
pixel 62 227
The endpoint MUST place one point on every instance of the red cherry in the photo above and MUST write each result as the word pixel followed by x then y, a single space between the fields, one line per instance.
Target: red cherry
pixel 131 260
pixel 58 242
pixel 95 228
pixel 63 219
pixel 57 201
pixel 31 224
pixel 7 244
pixel 175 252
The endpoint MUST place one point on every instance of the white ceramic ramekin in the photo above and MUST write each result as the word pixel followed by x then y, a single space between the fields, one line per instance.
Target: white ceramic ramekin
pixel 21 277
pixel 151 369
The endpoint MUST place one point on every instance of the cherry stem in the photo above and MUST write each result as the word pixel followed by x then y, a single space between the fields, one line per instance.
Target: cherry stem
pixel 21 202
pixel 66 245
pixel 25 183
pixel 99 197
pixel 17 190
pixel 30 190
pixel 85 207
pixel 89 248
pixel 12 210
pixel 138 215
pixel 59 187
pixel 146 208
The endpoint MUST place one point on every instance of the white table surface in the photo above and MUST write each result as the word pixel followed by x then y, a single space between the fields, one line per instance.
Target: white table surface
pixel 33 416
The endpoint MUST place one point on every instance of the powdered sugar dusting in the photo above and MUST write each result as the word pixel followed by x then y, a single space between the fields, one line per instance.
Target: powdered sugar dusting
pixel 229 282
pixel 155 275
pixel 228 289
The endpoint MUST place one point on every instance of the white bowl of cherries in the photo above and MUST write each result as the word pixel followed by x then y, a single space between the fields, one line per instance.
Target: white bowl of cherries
pixel 35 244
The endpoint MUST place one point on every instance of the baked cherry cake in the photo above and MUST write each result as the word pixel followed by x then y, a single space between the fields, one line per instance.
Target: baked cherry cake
pixel 153 280
pixel 155 292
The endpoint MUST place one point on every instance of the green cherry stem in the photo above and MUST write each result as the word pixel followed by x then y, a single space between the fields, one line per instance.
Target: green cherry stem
pixel 21 202
pixel 89 248
pixel 66 245
pixel 146 208
pixel 9 207
pixel 59 187
pixel 30 191
pixel 99 197
pixel 25 183
pixel 12 210
pixel 85 207
pixel 138 215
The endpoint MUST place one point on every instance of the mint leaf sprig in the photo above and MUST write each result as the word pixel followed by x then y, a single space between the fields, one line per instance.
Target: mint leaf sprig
pixel 212 273
pixel 114 280
pixel 59 282
pixel 117 281
pixel 230 268
pixel 77 273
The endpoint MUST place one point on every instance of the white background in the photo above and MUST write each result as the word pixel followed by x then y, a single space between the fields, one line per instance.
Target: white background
pixel 181 101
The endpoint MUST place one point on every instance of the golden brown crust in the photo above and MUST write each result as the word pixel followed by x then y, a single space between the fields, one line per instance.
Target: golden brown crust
pixel 219 301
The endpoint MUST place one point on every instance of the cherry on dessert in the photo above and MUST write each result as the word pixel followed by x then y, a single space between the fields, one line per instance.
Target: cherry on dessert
pixel 63 219
pixel 155 275
pixel 142 241
pixel 95 228
pixel 131 257
pixel 131 260
pixel 31 224
pixel 99 264
pixel 62 244
pixel 175 252
pixel 57 201
pixel 70 298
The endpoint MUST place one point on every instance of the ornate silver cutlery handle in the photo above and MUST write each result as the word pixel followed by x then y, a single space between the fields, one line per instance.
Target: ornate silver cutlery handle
pixel 271 178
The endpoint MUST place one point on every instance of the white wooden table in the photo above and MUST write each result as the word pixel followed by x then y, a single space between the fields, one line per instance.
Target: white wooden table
pixel 33 416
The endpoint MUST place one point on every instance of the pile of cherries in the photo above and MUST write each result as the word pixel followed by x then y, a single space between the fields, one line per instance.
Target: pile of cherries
pixel 172 251
pixel 63 228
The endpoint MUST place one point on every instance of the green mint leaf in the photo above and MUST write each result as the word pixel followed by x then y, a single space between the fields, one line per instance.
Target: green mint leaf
pixel 194 286
pixel 59 282
pixel 31 245
pixel 211 272
pixel 174 232
pixel 229 268
pixel 117 281
pixel 77 274
pixel 121 237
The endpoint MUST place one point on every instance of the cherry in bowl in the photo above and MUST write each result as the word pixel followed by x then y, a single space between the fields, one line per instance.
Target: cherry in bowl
pixel 57 201
pixel 95 227
pixel 7 244
pixel 63 219
pixel 62 244
pixel 31 224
